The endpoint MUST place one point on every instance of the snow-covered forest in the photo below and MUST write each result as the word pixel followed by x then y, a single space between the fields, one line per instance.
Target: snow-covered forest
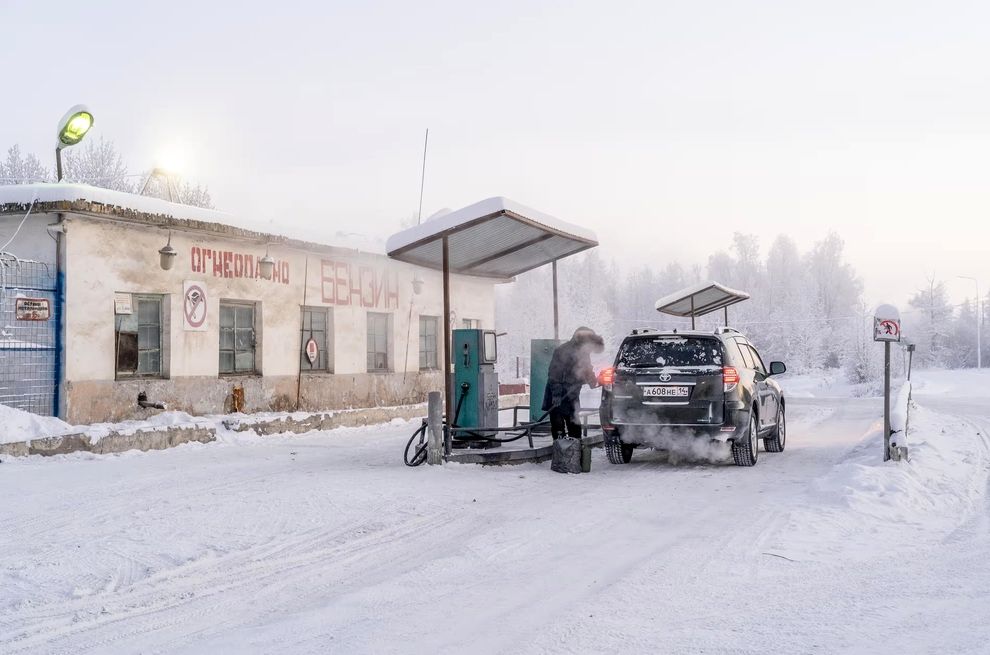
pixel 98 163
pixel 807 308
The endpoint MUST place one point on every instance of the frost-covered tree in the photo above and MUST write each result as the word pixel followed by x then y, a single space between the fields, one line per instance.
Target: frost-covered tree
pixel 961 350
pixel 20 169
pixel 835 282
pixel 929 324
pixel 157 184
pixel 97 163
pixel 806 309
pixel 195 196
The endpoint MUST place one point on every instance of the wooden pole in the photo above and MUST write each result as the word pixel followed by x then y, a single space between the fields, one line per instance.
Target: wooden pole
pixel 448 337
pixel 556 313
pixel 434 423
pixel 886 400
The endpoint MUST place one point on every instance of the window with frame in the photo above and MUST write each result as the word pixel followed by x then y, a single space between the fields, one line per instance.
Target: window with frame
pixel 471 324
pixel 744 352
pixel 379 343
pixel 757 360
pixel 238 339
pixel 138 338
pixel 315 326
pixel 428 333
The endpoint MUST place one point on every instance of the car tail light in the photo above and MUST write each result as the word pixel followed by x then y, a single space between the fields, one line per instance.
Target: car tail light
pixel 606 377
pixel 730 378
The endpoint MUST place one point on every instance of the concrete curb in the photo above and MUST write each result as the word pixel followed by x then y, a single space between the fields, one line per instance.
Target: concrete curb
pixel 160 438
pixel 115 442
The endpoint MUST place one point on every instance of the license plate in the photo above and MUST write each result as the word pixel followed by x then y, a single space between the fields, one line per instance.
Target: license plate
pixel 665 392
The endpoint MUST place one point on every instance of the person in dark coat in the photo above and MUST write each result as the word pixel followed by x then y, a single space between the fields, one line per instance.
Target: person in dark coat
pixel 570 369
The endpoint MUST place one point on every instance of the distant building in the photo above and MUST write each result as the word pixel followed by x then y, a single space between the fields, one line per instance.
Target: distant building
pixel 89 319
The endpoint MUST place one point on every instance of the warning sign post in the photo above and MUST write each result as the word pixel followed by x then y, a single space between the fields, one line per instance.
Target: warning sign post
pixel 886 328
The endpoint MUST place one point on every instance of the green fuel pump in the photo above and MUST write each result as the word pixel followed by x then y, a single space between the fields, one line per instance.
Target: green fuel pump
pixel 475 380
pixel 540 353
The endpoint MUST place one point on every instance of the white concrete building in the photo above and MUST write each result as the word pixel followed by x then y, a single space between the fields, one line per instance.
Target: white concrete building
pixel 90 319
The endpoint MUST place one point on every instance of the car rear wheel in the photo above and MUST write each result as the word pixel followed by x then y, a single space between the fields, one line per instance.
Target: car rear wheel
pixel 618 452
pixel 776 442
pixel 746 451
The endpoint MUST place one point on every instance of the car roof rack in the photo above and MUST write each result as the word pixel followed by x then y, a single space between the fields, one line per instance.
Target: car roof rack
pixel 722 329
pixel 646 330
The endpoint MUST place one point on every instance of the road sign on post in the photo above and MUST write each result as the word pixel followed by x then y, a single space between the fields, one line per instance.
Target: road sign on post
pixel 886 328
pixel 886 324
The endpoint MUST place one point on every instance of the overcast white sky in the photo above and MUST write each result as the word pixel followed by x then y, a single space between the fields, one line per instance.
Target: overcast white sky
pixel 868 118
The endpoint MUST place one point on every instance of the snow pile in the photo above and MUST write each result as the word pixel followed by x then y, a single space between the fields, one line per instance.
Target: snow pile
pixel 899 414
pixel 830 383
pixel 97 431
pixel 863 501
pixel 975 383
pixel 18 425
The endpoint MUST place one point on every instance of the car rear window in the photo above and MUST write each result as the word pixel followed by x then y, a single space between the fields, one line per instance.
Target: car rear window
pixel 670 351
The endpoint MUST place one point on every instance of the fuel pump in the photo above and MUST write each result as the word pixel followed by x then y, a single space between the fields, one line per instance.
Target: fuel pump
pixel 476 397
pixel 475 383
pixel 540 353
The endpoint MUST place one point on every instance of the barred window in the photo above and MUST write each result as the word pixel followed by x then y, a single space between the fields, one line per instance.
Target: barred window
pixel 138 342
pixel 316 326
pixel 238 338
pixel 379 342
pixel 428 342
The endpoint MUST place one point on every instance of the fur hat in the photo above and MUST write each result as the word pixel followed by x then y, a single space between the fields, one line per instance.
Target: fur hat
pixel 585 335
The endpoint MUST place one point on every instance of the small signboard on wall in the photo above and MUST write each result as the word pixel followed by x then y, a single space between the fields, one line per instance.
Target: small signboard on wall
pixel 312 351
pixel 194 306
pixel 33 309
pixel 122 304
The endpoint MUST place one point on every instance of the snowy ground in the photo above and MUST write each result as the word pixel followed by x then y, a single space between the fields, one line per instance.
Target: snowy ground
pixel 327 543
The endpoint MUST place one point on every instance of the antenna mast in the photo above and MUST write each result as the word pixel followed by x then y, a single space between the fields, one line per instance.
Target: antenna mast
pixel 422 181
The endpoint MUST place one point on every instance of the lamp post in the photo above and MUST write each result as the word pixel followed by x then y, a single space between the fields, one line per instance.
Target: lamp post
pixel 71 130
pixel 979 319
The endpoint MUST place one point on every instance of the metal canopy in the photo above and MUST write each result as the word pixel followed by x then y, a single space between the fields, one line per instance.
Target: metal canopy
pixel 495 238
pixel 700 299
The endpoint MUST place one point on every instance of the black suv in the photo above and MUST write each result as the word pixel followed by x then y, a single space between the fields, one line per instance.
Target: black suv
pixel 692 384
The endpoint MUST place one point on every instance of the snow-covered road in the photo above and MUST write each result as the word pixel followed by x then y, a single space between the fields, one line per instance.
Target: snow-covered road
pixel 327 543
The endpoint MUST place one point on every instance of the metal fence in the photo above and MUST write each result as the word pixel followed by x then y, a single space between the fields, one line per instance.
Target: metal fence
pixel 28 335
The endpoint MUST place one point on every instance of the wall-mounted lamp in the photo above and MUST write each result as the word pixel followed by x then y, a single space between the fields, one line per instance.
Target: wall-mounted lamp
pixel 167 254
pixel 266 265
pixel 417 284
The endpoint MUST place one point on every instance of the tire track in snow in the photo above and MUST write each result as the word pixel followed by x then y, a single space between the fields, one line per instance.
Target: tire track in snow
pixel 159 597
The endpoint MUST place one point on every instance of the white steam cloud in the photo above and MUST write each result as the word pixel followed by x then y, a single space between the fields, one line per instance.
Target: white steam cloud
pixel 684 445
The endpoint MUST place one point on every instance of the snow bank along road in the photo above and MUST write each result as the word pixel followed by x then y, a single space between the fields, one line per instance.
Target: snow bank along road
pixel 327 543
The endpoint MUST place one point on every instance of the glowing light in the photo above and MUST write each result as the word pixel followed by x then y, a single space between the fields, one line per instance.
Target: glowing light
pixel 74 127
pixel 171 160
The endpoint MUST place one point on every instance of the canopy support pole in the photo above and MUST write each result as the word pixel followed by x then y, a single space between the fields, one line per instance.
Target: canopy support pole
pixel 556 313
pixel 448 340
pixel 726 310
pixel 692 312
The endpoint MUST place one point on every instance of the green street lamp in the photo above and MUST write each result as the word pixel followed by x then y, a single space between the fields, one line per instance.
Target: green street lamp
pixel 71 130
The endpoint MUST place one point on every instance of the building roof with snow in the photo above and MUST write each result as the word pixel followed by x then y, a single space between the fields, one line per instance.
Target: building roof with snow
pixel 133 208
